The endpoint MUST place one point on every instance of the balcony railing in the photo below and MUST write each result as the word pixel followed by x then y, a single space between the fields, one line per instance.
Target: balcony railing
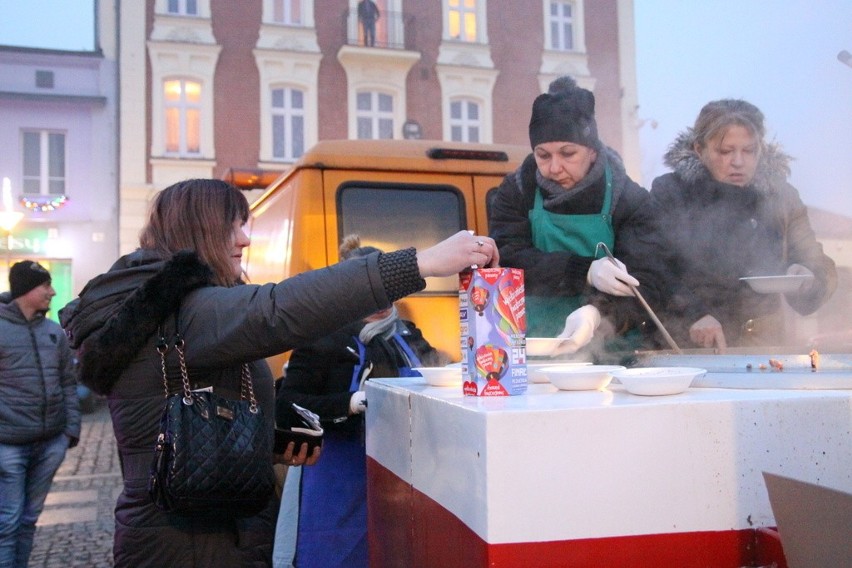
pixel 391 29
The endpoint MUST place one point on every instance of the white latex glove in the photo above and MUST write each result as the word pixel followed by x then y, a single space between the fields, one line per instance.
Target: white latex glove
pixel 580 326
pixel 611 277
pixel 799 270
pixel 358 402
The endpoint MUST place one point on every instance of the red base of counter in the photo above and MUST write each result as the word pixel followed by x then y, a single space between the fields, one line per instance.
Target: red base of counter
pixel 409 530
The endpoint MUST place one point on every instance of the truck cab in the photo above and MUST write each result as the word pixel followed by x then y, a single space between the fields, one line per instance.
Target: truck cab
pixel 394 194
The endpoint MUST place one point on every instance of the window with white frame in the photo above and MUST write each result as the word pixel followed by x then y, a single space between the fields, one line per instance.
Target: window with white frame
pixel 374 112
pixel 287 12
pixel 44 162
pixel 462 20
pixel 465 122
pixel 288 123
pixel 182 107
pixel 183 7
pixel 561 21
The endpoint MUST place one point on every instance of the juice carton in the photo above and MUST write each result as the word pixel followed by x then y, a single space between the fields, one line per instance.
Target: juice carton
pixel 493 328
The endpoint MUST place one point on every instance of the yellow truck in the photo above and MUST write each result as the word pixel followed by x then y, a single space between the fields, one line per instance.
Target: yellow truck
pixel 394 194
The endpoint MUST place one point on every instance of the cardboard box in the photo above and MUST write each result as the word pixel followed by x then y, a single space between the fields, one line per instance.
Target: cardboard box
pixel 493 328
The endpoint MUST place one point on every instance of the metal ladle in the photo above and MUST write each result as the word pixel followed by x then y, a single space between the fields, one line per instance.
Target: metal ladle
pixel 645 305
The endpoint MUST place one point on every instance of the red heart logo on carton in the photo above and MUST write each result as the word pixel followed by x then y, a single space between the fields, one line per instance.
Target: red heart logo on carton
pixel 494 388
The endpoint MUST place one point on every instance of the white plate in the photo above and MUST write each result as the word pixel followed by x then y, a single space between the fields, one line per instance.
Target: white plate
pixel 654 381
pixel 542 346
pixel 535 375
pixel 441 376
pixel 782 284
pixel 574 377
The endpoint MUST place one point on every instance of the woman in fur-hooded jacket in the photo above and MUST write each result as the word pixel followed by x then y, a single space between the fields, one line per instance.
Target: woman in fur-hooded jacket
pixel 187 276
pixel 729 212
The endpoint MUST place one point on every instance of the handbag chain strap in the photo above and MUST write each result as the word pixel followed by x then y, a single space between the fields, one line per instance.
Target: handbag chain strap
pixel 246 388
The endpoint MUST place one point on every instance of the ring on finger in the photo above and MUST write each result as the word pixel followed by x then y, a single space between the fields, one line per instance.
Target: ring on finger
pixel 480 243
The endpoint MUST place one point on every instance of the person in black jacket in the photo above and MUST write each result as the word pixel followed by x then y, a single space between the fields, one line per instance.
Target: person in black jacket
pixel 730 212
pixel 190 256
pixel 328 378
pixel 39 412
pixel 368 13
pixel 548 217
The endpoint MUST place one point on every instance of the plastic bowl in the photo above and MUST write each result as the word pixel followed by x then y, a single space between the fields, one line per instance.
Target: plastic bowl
pixel 655 381
pixel 781 284
pixel 441 376
pixel 535 375
pixel 575 377
pixel 542 346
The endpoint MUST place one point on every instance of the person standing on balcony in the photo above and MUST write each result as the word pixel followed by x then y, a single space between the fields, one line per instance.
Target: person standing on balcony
pixel 368 13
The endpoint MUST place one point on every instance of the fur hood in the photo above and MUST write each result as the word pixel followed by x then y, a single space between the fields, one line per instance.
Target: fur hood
pixel 118 311
pixel 772 170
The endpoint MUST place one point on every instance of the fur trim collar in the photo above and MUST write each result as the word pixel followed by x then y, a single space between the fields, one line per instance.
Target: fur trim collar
pixel 773 168
pixel 105 353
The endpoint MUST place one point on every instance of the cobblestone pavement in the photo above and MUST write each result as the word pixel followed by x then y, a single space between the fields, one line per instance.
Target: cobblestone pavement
pixel 76 527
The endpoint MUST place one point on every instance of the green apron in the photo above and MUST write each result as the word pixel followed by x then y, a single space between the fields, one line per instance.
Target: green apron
pixel 578 234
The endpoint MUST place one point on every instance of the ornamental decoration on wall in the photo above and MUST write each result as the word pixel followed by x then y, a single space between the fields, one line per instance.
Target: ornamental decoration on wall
pixel 43 202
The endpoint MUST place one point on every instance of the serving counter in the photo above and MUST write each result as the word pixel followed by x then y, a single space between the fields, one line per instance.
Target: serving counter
pixel 591 478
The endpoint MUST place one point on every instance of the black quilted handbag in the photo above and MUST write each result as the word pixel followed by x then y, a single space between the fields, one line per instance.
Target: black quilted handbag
pixel 213 455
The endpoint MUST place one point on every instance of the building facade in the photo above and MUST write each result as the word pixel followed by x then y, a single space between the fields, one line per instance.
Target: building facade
pixel 59 130
pixel 217 88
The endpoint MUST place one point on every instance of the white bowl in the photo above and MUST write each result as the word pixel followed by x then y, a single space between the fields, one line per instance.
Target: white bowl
pixel 441 376
pixel 542 346
pixel 781 284
pixel 574 377
pixel 652 381
pixel 535 375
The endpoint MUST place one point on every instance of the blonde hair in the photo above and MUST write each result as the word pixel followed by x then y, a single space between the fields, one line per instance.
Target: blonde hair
pixel 197 215
pixel 717 116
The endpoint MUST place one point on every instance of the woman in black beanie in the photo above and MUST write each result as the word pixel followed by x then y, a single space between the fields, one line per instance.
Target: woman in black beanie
pixel 547 218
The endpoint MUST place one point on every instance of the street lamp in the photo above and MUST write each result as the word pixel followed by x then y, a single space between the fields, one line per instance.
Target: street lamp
pixel 8 219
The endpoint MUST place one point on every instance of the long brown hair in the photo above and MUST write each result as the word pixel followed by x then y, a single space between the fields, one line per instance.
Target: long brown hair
pixel 197 215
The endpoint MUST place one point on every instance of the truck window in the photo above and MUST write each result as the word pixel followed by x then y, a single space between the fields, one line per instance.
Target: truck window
pixel 390 217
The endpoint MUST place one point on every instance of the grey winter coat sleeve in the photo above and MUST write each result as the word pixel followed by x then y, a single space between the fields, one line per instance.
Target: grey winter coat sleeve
pixel 803 248
pixel 224 326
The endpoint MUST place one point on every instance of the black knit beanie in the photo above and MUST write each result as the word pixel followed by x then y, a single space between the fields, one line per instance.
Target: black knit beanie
pixel 565 116
pixel 26 275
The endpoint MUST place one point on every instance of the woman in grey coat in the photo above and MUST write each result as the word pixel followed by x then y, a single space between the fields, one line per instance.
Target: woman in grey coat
pixel 729 212
pixel 190 256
